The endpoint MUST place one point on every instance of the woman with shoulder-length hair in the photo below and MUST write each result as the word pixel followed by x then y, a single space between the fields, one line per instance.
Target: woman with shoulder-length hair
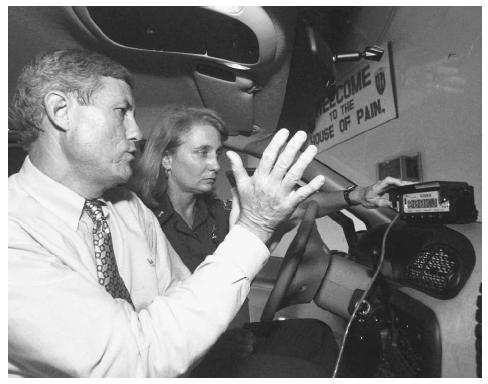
pixel 175 176
pixel 151 178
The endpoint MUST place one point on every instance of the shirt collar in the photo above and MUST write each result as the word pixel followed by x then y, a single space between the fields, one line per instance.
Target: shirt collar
pixel 166 210
pixel 59 199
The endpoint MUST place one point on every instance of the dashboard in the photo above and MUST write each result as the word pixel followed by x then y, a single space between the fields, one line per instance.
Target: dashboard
pixel 431 258
pixel 398 331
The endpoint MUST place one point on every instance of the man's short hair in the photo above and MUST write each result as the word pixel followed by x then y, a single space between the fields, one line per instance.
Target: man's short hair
pixel 72 71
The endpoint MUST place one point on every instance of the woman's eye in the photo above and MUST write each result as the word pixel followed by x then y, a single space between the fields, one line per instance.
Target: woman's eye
pixel 203 152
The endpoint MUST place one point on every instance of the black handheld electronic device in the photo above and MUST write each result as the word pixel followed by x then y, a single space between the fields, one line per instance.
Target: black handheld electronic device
pixel 445 202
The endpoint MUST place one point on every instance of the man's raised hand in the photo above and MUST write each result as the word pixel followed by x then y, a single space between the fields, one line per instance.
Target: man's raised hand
pixel 269 196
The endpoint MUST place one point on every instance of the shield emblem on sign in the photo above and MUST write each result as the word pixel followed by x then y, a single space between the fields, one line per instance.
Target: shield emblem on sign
pixel 379 80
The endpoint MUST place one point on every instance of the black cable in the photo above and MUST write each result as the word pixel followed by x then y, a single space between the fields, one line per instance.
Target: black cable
pixel 365 293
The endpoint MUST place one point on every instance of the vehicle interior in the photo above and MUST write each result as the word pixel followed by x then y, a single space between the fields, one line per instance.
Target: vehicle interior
pixel 400 287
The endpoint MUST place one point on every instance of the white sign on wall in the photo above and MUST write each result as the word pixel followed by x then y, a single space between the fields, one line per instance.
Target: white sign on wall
pixel 364 99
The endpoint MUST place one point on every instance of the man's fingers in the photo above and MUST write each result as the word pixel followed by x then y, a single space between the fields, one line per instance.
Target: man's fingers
pixel 235 209
pixel 271 152
pixel 313 186
pixel 289 154
pixel 296 171
pixel 269 197
pixel 240 173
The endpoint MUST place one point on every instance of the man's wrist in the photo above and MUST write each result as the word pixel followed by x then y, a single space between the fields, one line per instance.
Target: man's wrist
pixel 259 231
pixel 244 249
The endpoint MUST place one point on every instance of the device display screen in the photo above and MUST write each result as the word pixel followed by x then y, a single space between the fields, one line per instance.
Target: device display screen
pixel 424 202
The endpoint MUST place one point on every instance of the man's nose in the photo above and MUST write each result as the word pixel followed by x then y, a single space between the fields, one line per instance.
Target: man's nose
pixel 133 132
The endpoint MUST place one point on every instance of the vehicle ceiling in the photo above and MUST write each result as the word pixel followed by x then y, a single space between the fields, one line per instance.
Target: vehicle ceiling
pixel 163 78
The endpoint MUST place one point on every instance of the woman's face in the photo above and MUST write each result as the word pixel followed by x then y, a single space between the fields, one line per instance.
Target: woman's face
pixel 194 164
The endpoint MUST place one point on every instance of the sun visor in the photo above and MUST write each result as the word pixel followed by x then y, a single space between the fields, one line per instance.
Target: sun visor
pixel 230 94
pixel 225 34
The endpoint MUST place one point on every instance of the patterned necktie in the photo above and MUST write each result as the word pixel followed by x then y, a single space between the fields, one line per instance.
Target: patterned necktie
pixel 107 271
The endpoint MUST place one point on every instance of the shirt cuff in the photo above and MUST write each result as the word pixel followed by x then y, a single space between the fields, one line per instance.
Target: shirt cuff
pixel 244 249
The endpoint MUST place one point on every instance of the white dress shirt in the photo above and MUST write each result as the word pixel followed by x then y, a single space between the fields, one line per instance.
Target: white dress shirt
pixel 61 322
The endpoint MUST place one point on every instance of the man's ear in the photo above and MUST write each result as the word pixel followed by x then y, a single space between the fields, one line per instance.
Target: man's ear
pixel 56 104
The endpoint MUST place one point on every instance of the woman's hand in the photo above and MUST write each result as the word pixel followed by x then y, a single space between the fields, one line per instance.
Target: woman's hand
pixel 373 196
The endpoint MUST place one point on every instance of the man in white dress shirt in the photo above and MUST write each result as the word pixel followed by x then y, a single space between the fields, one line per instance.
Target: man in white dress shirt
pixel 94 286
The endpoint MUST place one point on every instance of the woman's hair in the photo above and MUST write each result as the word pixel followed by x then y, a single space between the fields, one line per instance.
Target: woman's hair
pixel 174 121
pixel 72 71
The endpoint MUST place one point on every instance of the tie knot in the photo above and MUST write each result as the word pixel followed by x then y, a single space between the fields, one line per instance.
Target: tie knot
pixel 94 210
